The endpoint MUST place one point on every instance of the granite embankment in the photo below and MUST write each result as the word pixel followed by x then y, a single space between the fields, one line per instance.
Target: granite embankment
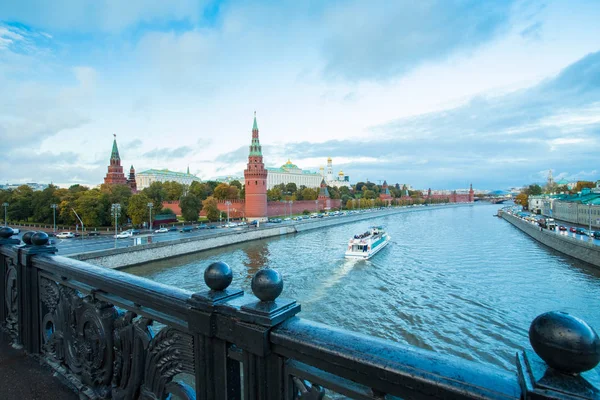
pixel 579 249
pixel 126 257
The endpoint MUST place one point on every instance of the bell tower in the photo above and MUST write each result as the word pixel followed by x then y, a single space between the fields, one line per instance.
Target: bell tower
pixel 255 176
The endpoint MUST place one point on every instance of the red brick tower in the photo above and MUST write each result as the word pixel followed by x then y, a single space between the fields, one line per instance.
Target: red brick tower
pixel 471 194
pixel 131 180
pixel 256 180
pixel 385 194
pixel 324 197
pixel 115 171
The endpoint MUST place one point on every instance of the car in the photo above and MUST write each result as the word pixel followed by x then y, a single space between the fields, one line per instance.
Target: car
pixel 202 226
pixel 186 229
pixel 93 233
pixel 16 231
pixel 287 219
pixel 123 235
pixel 212 227
pixel 135 231
pixel 65 235
pixel 580 231
pixel 161 230
pixel 173 229
pixel 596 235
pixel 562 228
pixel 573 229
pixel 255 222
pixel 243 223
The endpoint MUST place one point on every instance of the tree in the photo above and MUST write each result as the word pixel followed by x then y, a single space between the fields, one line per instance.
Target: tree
pixel 92 207
pixel 274 194
pixel 236 183
pixel 368 194
pixel 173 190
pixel 190 207
pixel 210 207
pixel 20 207
pixel 533 190
pixel 359 185
pixel 233 193
pixel 583 184
pixel 156 192
pixel 138 208
pixel 310 194
pixel 522 199
pixel 222 192
pixel 200 190
pixel 291 187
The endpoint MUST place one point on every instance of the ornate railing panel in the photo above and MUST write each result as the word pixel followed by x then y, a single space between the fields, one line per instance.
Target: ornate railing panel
pixel 120 336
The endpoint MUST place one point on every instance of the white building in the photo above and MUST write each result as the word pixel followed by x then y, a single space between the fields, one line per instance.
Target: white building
pixel 146 178
pixel 290 173
pixel 333 180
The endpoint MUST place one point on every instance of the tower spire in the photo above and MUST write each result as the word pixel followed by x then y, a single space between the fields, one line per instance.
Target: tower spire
pixel 114 155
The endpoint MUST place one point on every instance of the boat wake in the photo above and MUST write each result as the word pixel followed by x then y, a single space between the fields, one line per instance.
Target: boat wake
pixel 336 276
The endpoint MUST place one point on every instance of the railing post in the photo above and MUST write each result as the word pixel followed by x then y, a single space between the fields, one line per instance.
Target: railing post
pixel 217 376
pixel 565 348
pixel 6 282
pixel 29 299
pixel 263 370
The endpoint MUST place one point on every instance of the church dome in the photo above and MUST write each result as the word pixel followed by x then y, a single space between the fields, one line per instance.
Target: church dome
pixel 289 165
pixel 341 173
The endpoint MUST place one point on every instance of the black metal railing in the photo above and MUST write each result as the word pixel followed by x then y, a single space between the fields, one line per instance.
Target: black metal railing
pixel 115 335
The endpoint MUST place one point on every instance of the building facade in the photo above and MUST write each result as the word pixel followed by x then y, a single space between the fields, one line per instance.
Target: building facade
pixel 255 177
pixel 581 208
pixel 291 173
pixel 146 178
pixel 338 180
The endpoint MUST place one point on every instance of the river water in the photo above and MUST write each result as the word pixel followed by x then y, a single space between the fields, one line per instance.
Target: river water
pixel 453 280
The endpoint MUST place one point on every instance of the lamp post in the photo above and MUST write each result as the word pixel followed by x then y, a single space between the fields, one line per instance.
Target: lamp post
pixel 291 202
pixel 228 203
pixel 53 206
pixel 591 239
pixel 317 206
pixel 150 205
pixel 115 210
pixel 5 205
pixel 81 222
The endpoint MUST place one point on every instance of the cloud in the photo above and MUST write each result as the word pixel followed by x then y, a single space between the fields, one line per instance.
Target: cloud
pixel 494 141
pixel 132 145
pixel 105 16
pixel 367 41
pixel 167 153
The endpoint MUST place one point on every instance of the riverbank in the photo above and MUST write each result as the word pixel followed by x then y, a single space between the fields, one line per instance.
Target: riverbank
pixel 579 249
pixel 130 256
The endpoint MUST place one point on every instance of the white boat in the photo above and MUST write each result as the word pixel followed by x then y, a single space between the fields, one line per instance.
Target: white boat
pixel 366 245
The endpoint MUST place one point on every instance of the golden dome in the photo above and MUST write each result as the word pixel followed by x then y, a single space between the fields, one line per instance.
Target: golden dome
pixel 328 159
pixel 341 173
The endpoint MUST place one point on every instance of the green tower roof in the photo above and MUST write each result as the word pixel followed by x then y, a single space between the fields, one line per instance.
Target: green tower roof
pixel 255 148
pixel 255 126
pixel 114 155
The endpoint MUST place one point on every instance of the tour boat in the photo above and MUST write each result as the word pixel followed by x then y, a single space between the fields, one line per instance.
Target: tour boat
pixel 365 245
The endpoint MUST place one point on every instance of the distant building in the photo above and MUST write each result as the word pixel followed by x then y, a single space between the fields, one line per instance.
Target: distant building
pixel 291 173
pixel 338 180
pixel 115 175
pixel 255 177
pixel 34 186
pixel 228 179
pixel 582 208
pixel 146 178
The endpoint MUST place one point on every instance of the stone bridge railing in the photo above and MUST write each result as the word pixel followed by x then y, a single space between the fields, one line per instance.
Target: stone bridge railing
pixel 115 335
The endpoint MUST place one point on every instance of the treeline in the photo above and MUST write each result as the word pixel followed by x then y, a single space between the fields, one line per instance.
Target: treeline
pixel 95 206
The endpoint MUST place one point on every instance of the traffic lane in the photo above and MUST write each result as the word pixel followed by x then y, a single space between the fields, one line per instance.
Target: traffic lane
pixel 583 238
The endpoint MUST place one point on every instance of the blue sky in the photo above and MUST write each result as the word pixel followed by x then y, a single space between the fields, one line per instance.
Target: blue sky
pixel 433 93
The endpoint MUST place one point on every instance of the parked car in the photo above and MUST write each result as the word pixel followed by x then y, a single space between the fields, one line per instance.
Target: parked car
pixel 597 235
pixel 65 235
pixel 580 231
pixel 255 222
pixel 173 229
pixel 573 229
pixel 123 235
pixel 161 230
pixel 186 229
pixel 562 228
pixel 93 233
pixel 16 231
pixel 202 226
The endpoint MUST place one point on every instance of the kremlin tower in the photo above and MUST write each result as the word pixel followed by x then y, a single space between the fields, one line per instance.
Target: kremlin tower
pixel 131 180
pixel 385 193
pixel 115 174
pixel 255 176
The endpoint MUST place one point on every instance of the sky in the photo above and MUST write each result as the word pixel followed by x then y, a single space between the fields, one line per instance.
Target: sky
pixel 436 93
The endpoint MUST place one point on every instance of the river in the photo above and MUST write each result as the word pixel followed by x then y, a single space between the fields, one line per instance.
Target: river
pixel 453 280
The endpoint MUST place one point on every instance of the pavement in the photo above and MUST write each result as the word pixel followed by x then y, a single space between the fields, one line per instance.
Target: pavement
pixel 23 377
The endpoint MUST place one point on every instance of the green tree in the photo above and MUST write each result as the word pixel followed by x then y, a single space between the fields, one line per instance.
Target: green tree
pixel 221 192
pixel 200 190
pixel 368 194
pixel 92 207
pixel 359 185
pixel 274 194
pixel 173 190
pixel 137 209
pixel 310 194
pixel 236 183
pixel 156 192
pixel 20 204
pixel 210 207
pixel 190 207
pixel 291 187
pixel 583 184
pixel 533 190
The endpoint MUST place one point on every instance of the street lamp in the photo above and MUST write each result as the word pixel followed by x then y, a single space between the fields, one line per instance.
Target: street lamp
pixel 115 210
pixel 227 203
pixel 5 205
pixel 150 205
pixel 53 206
pixel 316 205
pixel 590 215
pixel 82 227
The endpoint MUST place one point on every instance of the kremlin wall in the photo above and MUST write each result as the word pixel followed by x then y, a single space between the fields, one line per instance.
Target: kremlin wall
pixel 256 207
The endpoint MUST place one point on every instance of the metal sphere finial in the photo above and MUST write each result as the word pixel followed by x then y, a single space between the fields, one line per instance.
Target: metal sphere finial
pixel 39 238
pixel 267 284
pixel 6 232
pixel 27 237
pixel 218 276
pixel 566 343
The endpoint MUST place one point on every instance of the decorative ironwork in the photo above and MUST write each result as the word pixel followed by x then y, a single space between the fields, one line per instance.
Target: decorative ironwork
pixel 170 353
pixel 11 293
